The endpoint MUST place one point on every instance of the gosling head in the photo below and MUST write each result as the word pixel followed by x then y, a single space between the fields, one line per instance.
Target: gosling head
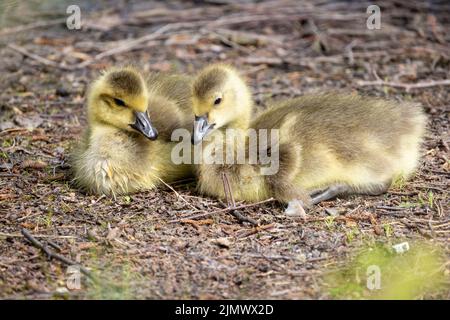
pixel 119 99
pixel 221 99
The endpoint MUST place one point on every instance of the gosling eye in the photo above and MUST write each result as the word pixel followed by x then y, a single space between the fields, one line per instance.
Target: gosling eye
pixel 119 102
pixel 217 101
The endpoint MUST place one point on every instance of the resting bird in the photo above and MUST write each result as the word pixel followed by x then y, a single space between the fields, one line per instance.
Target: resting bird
pixel 127 111
pixel 329 144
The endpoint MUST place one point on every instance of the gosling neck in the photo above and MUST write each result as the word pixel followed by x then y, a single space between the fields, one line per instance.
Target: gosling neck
pixel 245 106
pixel 243 123
pixel 239 125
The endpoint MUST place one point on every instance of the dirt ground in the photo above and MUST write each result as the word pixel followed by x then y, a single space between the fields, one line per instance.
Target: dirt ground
pixel 139 245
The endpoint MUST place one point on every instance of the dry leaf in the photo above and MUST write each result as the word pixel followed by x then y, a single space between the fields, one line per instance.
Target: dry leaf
pixel 34 164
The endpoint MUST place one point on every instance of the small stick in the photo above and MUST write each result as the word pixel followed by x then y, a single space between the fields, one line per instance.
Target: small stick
pixel 177 194
pixel 256 230
pixel 127 46
pixel 232 203
pixel 53 255
pixel 33 25
pixel 199 222
pixel 196 224
pixel 221 210
pixel 243 218
pixel 227 190
pixel 17 235
pixel 37 58
pixel 132 44
pixel 412 226
pixel 228 42
pixel 406 86
pixel 54 245
pixel 390 208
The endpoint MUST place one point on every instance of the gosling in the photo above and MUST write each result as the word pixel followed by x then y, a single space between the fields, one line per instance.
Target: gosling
pixel 329 144
pixel 126 110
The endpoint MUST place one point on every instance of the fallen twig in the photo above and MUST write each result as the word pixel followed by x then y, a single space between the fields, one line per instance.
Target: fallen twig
pixel 256 230
pixel 127 46
pixel 130 45
pixel 413 226
pixel 18 235
pixel 391 208
pixel 227 41
pixel 238 215
pixel 53 255
pixel 176 193
pixel 201 215
pixel 254 38
pixel 37 58
pixel 34 25
pixel 406 86
pixel 231 203
pixel 196 224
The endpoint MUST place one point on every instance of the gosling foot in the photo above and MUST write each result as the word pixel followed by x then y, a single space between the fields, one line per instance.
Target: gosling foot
pixel 330 193
pixel 238 215
pixel 296 208
pixel 343 189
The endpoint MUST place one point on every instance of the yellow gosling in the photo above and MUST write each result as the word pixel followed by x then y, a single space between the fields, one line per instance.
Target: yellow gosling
pixel 120 152
pixel 330 144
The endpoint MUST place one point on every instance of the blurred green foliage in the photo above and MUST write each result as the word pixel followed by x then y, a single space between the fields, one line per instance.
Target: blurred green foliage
pixel 413 274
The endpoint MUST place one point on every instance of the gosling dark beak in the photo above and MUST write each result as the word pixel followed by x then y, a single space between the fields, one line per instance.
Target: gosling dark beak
pixel 144 125
pixel 201 129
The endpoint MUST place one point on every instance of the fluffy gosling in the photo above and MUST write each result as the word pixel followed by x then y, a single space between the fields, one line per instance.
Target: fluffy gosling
pixel 119 153
pixel 330 144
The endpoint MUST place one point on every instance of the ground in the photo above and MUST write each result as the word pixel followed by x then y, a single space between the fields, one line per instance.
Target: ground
pixel 139 246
